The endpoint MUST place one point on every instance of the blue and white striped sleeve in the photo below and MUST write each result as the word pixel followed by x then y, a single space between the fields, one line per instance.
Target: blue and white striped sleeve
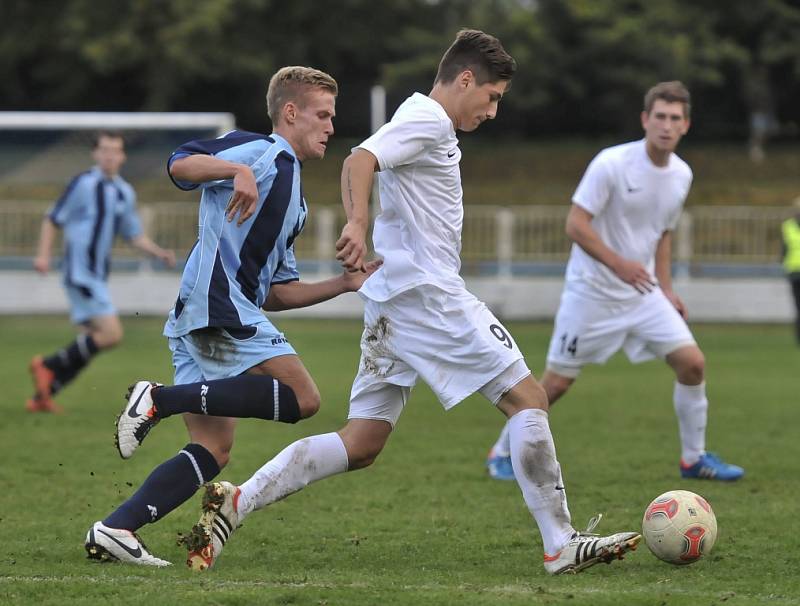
pixel 130 225
pixel 209 147
pixel 66 204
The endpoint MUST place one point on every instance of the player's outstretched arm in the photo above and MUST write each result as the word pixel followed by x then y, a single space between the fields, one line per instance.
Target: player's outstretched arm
pixel 357 175
pixel 47 235
pixel 201 168
pixel 292 295
pixel 145 244
pixel 580 230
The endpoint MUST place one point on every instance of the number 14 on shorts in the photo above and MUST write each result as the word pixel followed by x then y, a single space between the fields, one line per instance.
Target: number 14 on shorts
pixel 569 346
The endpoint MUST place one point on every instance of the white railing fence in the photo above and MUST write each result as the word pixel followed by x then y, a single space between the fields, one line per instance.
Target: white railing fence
pixel 496 240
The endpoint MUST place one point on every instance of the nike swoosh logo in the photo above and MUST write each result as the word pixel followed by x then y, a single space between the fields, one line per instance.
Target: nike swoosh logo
pixel 451 154
pixel 136 553
pixel 559 488
pixel 633 189
pixel 132 412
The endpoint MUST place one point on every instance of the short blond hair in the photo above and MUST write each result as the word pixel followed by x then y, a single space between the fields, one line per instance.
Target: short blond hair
pixel 291 84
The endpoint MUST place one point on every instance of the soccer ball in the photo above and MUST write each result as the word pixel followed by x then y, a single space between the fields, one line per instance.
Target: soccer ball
pixel 679 527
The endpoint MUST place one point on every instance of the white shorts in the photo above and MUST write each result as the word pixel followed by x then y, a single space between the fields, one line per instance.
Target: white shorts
pixel 451 340
pixel 590 331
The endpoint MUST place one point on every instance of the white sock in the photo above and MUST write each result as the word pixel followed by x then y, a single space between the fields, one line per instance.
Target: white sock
pixel 691 406
pixel 533 456
pixel 502 448
pixel 292 469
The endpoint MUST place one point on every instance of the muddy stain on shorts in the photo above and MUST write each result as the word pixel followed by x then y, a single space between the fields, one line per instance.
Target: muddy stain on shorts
pixel 377 358
pixel 214 343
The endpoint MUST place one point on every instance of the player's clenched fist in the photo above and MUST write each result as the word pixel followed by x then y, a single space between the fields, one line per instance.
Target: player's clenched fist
pixel 245 196
pixel 351 247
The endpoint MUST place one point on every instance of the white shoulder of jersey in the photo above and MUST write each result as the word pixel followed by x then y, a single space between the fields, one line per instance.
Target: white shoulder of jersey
pixel 634 152
pixel 682 167
pixel 423 115
pixel 623 152
pixel 419 125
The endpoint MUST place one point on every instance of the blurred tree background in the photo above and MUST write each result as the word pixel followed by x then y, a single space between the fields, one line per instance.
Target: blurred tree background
pixel 583 64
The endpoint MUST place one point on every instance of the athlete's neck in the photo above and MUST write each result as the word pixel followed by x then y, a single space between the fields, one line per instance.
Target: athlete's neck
pixel 442 96
pixel 659 157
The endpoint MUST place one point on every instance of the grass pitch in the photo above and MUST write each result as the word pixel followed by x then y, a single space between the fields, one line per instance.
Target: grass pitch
pixel 424 525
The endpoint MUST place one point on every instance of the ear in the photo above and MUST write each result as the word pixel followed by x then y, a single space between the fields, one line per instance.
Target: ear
pixel 644 117
pixel 290 112
pixel 687 123
pixel 465 78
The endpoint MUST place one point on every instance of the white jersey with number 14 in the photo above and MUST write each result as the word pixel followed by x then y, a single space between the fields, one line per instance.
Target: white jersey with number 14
pixel 633 203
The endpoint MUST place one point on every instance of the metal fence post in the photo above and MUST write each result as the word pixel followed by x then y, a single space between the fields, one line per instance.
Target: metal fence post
pixel 683 249
pixel 326 238
pixel 147 215
pixel 505 241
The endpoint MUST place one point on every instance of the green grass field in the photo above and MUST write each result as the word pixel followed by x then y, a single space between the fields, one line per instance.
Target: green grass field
pixel 424 525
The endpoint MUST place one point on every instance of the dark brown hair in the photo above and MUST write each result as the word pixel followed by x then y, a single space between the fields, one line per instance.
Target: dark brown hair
pixel 108 134
pixel 671 92
pixel 479 53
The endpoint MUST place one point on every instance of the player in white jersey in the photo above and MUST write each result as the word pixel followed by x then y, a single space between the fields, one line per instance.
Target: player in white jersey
pixel 618 291
pixel 420 321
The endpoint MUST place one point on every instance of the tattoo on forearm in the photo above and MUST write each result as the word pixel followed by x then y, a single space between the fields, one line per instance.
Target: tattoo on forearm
pixel 349 190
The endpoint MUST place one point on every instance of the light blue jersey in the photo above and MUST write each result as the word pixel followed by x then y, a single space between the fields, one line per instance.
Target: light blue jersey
pixel 231 267
pixel 92 211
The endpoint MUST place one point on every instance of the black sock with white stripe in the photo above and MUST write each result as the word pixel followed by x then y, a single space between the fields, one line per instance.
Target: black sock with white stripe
pixel 168 486
pixel 245 396
pixel 68 362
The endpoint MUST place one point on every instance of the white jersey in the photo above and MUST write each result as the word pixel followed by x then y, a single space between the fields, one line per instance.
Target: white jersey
pixel 633 202
pixel 418 232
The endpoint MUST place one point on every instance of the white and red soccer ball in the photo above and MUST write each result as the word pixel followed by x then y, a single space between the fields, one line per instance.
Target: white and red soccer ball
pixel 679 527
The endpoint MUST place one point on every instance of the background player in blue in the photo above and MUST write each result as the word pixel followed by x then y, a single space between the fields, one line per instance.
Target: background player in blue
pixel 230 361
pixel 96 206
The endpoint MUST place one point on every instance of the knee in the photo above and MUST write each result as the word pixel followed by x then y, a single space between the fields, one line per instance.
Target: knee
pixel 309 402
pixel 528 393
pixel 556 386
pixel 108 337
pixel 363 456
pixel 692 370
pixel 362 449
pixel 222 458
pixel 221 451
pixel 539 397
pixel 114 339
pixel 221 454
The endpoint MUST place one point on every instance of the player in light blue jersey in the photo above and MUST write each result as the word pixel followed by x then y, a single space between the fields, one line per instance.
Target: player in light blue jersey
pixel 230 360
pixel 97 206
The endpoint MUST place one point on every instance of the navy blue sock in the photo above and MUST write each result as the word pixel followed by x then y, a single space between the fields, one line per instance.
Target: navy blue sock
pixel 245 396
pixel 68 362
pixel 168 485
